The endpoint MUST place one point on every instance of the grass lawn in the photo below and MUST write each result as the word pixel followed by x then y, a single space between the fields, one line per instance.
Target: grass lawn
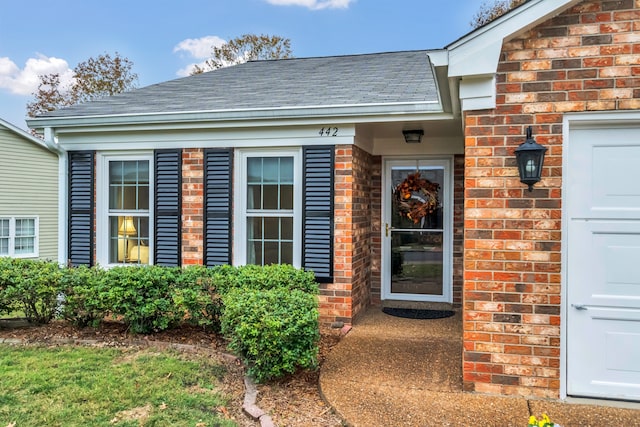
pixel 82 386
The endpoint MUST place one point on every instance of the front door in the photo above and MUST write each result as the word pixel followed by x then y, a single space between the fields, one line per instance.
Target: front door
pixel 416 235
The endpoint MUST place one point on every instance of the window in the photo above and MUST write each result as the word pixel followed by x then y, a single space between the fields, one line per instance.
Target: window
pixel 19 237
pixel 124 210
pixel 269 207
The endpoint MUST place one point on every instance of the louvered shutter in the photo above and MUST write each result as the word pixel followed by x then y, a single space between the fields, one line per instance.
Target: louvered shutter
pixel 81 220
pixel 217 206
pixel 317 228
pixel 168 194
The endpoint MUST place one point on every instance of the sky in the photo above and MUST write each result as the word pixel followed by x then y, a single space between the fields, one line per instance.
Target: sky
pixel 165 38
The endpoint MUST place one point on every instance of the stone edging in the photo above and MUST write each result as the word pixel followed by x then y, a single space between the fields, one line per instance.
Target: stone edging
pixel 249 406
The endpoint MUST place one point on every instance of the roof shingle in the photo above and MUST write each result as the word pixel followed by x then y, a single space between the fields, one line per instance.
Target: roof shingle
pixel 356 80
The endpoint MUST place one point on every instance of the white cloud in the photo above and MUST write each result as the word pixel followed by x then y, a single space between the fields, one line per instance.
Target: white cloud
pixel 25 81
pixel 199 48
pixel 313 4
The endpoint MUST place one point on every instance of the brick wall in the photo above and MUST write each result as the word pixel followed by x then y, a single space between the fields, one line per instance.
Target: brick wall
pixel 344 299
pixel 586 59
pixel 458 229
pixel 376 229
pixel 192 206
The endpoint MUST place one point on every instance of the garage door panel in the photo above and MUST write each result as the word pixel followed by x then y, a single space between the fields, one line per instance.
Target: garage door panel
pixel 605 185
pixel 606 280
pixel 609 366
pixel 615 191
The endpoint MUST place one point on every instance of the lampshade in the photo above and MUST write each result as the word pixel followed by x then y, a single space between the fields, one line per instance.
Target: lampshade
pixel 413 136
pixel 127 228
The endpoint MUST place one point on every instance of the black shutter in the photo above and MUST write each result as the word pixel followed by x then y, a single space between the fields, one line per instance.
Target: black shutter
pixel 168 194
pixel 81 219
pixel 317 226
pixel 217 206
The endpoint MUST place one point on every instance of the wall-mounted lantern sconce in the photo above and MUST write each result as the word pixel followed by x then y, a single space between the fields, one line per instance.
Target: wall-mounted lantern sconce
pixel 413 136
pixel 530 159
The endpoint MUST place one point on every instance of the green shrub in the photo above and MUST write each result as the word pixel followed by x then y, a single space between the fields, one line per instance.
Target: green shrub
pixel 30 286
pixel 142 296
pixel 273 276
pixel 81 289
pixel 275 331
pixel 196 299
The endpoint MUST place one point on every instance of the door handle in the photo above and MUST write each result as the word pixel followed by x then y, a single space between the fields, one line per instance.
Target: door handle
pixel 579 306
pixel 386 229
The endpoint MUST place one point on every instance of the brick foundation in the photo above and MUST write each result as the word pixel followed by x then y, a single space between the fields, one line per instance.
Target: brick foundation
pixel 586 59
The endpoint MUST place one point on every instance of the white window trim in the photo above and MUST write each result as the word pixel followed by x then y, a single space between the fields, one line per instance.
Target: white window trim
pixel 240 201
pixel 102 203
pixel 12 236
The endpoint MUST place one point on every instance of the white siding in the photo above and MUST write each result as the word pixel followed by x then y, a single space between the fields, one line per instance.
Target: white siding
pixel 29 186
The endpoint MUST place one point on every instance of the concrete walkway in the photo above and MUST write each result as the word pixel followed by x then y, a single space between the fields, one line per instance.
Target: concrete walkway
pixel 390 371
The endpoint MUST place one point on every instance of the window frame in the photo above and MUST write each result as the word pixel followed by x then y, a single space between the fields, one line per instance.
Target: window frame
pixel 103 213
pixel 12 236
pixel 240 201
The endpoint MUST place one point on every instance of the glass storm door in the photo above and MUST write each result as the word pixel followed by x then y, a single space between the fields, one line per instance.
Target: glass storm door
pixel 417 230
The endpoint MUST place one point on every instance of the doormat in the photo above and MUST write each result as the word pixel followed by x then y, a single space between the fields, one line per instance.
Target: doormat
pixel 414 313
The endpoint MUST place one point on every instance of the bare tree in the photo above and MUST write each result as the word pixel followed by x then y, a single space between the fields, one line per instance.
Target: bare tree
pixel 92 79
pixel 490 10
pixel 248 47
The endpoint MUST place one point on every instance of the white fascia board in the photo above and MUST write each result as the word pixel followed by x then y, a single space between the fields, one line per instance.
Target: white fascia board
pixel 478 52
pixel 349 112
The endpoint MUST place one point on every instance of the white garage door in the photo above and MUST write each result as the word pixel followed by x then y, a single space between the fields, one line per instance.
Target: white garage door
pixel 602 207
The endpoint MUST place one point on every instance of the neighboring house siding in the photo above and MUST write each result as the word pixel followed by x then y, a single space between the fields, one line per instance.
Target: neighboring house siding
pixel 586 59
pixel 29 187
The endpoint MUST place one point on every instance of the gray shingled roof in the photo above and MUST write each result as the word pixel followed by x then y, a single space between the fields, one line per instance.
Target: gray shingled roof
pixel 373 79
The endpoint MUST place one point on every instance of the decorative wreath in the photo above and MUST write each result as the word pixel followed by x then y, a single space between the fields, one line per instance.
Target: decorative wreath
pixel 416 197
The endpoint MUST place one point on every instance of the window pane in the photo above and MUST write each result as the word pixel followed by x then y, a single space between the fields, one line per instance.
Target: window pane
pixel 272 228
pixel 271 198
pixel 271 253
pixel 24 245
pixel 254 228
pixel 286 256
pixel 286 229
pixel 254 169
pixel 254 252
pixel 25 227
pixel 4 228
pixel 271 170
pixel 286 197
pixel 129 239
pixel 129 185
pixel 4 246
pixel 254 197
pixel 286 170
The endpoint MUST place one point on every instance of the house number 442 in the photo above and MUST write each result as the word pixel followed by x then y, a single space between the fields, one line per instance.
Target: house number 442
pixel 330 131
